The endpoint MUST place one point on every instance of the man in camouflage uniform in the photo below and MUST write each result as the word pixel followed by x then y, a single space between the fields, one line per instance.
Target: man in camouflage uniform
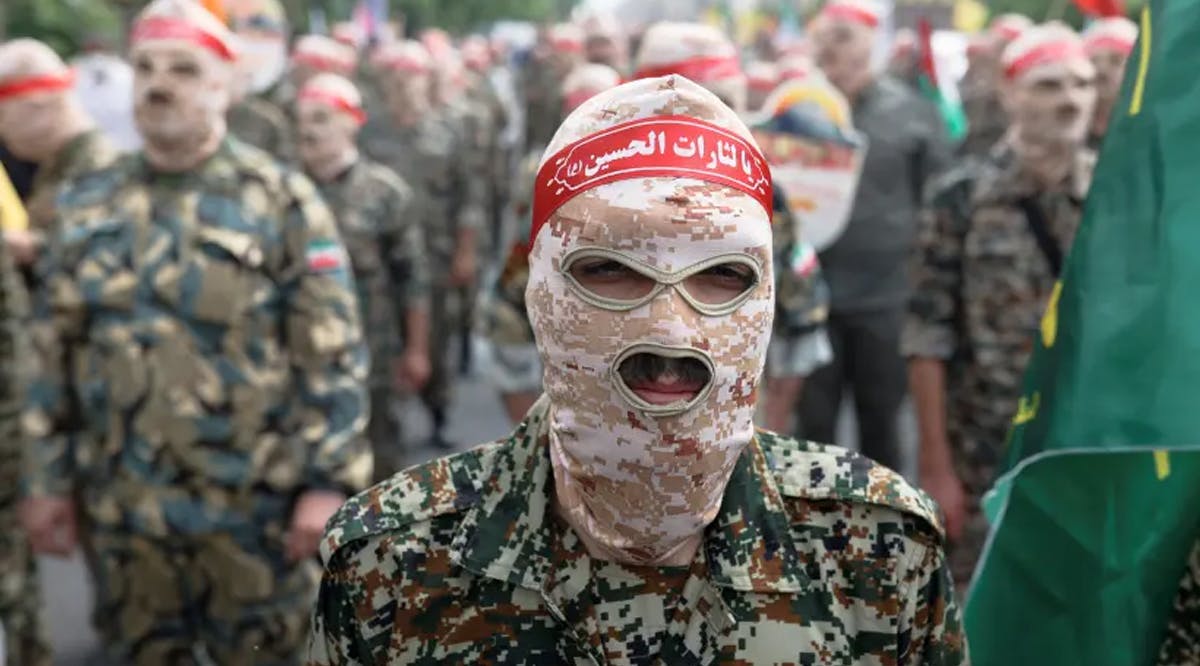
pixel 261 27
pixel 636 516
pixel 515 368
pixel 379 221
pixel 207 397
pixel 987 118
pixel 312 55
pixel 41 121
pixel 990 246
pixel 25 640
pixel 1109 42
pixel 425 149
pixel 542 79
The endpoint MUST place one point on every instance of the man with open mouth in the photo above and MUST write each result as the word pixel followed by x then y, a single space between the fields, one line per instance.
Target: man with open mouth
pixel 636 515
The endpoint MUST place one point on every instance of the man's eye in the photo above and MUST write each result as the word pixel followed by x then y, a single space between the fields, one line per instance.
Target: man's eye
pixel 143 66
pixel 611 279
pixel 721 284
pixel 186 69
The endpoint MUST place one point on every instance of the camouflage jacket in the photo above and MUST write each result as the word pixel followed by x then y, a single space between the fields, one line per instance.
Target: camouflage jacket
pixel 13 348
pixel 987 120
pixel 85 153
pixel 817 556
pixel 432 157
pixel 541 88
pixel 379 224
pixel 981 283
pixel 507 321
pixel 263 125
pixel 207 334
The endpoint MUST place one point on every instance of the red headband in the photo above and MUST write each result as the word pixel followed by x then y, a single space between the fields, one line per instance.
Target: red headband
pixel 566 45
pixel 1108 42
pixel 1044 54
pixel 711 68
pixel 336 101
pixel 322 62
pixel 761 84
pixel 851 13
pixel 35 84
pixel 671 146
pixel 161 27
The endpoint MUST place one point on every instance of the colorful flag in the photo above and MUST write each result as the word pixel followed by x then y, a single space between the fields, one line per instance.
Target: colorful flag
pixel 931 85
pixel 1095 512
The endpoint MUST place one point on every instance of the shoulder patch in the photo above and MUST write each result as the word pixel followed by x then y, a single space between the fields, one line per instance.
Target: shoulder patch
pixel 826 472
pixel 439 487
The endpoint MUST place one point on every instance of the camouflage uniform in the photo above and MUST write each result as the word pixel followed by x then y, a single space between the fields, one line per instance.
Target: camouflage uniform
pixel 986 119
pixel 20 595
pixel 542 91
pixel 212 370
pixel 1182 644
pixel 817 556
pixel 261 124
pixel 981 283
pixel 429 156
pixel 85 153
pixel 377 220
pixel 516 366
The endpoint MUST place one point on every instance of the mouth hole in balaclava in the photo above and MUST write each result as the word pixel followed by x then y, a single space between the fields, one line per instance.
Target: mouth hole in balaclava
pixel 662 380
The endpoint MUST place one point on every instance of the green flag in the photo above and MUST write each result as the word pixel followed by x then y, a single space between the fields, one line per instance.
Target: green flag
pixel 930 84
pixel 1097 508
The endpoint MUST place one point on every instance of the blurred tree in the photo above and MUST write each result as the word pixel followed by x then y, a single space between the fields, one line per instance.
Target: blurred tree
pixel 1041 10
pixel 63 24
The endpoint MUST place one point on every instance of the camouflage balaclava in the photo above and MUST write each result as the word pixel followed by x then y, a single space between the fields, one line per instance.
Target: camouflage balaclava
pixel 651 298
pixel 38 112
pixel 329 113
pixel 1050 90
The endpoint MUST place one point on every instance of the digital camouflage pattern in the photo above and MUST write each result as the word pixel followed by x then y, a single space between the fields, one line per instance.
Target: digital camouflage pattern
pixel 818 556
pixel 981 284
pixel 20 595
pixel 84 154
pixel 263 125
pixel 1181 647
pixel 380 224
pixel 208 366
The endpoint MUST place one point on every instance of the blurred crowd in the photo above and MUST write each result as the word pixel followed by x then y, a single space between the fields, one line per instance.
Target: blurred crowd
pixel 313 227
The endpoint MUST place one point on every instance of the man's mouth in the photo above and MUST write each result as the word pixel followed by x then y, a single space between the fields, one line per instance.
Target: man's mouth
pixel 664 380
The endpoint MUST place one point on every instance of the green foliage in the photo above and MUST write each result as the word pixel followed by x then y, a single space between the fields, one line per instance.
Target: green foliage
pixel 63 24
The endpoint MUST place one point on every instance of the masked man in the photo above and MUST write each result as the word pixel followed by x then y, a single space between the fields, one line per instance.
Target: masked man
pixel 201 300
pixel 515 369
pixel 378 218
pixel 426 151
pixel 42 121
pixel 261 28
pixel 989 253
pixel 1108 42
pixel 604 42
pixel 636 515
pixel 980 88
pixel 865 267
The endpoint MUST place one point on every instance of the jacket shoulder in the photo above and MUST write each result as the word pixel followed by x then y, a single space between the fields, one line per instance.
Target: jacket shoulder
pixel 98 186
pixel 386 179
pixel 811 471
pixel 419 494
